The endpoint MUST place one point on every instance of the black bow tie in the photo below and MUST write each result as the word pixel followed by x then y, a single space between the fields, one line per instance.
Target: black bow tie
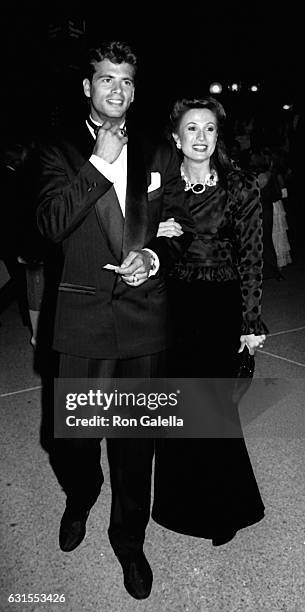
pixel 93 126
pixel 96 128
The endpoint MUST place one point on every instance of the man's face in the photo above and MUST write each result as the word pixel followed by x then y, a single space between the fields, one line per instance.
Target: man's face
pixel 111 90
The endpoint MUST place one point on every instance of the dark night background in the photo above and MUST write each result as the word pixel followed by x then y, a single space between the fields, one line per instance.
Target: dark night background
pixel 181 53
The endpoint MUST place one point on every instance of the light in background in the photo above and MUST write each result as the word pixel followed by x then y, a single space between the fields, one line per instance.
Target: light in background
pixel 215 88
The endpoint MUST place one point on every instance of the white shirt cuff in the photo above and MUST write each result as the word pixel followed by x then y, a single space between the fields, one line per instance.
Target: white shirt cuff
pixel 155 263
pixel 103 167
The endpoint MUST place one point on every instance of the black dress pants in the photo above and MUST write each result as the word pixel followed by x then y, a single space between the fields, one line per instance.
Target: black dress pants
pixel 76 462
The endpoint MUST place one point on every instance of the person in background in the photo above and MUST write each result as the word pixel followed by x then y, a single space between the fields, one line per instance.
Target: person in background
pixel 13 215
pixel 32 247
pixel 206 487
pixel 280 170
pixel 275 241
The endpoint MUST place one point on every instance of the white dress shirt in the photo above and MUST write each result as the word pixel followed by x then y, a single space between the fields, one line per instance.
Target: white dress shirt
pixel 115 172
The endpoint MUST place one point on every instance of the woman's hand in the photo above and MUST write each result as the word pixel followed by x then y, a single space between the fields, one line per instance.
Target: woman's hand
pixel 252 342
pixel 169 228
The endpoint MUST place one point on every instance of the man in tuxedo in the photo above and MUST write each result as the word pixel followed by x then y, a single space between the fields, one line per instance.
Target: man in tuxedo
pixel 104 192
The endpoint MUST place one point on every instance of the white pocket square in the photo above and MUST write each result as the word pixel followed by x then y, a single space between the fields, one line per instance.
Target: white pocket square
pixel 155 181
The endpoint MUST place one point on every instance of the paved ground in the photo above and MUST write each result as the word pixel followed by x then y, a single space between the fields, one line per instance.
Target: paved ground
pixel 261 570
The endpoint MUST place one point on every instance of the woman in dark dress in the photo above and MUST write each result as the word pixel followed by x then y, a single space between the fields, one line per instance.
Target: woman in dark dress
pixel 206 487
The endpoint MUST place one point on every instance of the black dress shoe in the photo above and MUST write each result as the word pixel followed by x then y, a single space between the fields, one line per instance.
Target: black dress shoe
pixel 223 537
pixel 72 529
pixel 138 576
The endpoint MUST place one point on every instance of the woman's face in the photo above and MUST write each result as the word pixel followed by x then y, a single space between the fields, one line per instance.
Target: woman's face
pixel 197 134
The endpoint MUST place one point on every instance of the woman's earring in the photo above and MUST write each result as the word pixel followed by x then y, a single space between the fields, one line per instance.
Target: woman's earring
pixel 178 145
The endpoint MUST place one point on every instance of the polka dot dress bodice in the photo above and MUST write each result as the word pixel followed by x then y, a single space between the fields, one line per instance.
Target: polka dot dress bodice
pixel 228 241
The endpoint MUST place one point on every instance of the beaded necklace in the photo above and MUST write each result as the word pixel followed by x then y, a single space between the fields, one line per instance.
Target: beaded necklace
pixel 210 180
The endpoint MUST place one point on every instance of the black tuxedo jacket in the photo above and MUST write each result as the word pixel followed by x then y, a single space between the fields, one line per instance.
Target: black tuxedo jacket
pixel 97 314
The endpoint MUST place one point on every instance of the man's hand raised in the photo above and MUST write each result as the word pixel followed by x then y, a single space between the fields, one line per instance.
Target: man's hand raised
pixel 109 142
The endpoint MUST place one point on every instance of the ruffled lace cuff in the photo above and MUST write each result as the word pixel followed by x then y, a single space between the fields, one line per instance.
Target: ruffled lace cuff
pixel 257 327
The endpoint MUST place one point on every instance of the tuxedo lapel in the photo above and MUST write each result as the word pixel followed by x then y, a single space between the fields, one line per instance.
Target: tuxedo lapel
pixel 111 220
pixel 136 197
pixel 107 208
pixel 121 235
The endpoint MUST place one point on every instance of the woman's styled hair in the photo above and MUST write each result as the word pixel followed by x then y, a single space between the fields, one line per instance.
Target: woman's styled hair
pixel 220 158
pixel 116 52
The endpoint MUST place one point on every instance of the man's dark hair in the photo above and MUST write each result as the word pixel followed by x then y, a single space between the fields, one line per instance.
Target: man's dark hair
pixel 116 52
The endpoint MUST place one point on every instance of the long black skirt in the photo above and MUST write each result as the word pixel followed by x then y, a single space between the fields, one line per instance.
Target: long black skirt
pixel 205 485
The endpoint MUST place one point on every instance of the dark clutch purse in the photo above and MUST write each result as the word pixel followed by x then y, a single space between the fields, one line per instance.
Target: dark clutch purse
pixel 244 374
